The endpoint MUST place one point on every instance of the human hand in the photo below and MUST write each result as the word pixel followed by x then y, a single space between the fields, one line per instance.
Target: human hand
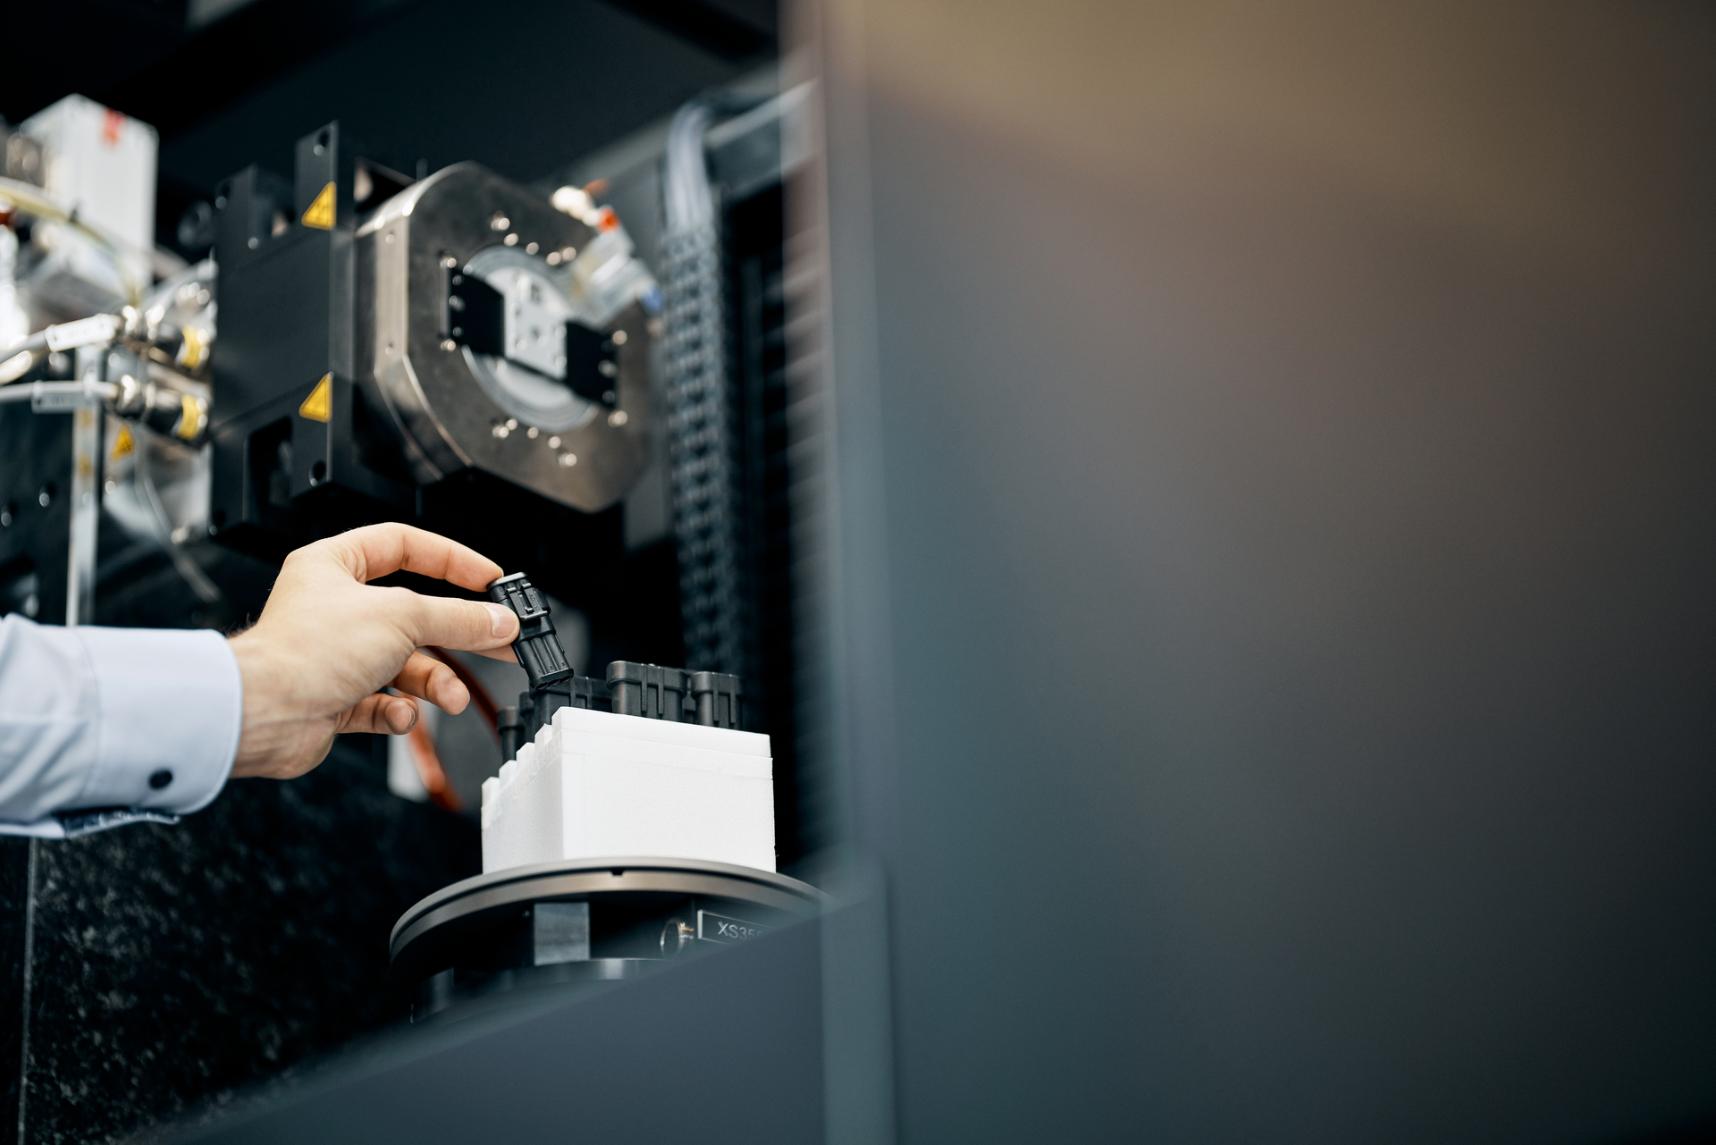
pixel 327 642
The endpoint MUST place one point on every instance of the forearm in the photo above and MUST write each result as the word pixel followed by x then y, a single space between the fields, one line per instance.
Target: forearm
pixel 112 718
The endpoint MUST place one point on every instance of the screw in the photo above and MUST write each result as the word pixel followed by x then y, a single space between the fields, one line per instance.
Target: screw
pixel 618 337
pixel 568 460
pixel 618 418
pixel 510 240
pixel 498 221
pixel 449 345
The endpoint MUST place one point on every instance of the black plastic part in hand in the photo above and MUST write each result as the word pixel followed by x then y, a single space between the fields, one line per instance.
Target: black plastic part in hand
pixel 539 651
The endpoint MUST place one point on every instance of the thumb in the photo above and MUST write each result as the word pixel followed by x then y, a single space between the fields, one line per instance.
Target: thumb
pixel 467 625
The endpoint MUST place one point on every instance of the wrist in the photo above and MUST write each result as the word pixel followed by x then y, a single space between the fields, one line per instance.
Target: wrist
pixel 266 728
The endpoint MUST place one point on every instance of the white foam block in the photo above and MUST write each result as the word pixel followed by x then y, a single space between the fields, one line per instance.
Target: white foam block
pixel 595 784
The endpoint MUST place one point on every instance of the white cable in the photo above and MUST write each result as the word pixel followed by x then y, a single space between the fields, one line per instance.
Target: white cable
pixel 95 330
pixel 32 201
pixel 37 393
pixel 688 200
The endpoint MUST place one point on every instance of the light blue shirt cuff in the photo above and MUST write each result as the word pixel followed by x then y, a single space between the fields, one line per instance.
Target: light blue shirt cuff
pixel 168 706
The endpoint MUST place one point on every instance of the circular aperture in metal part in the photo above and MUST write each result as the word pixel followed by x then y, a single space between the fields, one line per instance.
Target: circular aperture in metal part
pixel 538 305
pixel 505 412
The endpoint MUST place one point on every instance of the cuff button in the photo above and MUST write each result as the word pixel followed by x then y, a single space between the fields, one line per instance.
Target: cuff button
pixel 160 779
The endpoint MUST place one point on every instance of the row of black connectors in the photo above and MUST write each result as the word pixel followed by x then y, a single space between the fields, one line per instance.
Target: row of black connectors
pixel 631 689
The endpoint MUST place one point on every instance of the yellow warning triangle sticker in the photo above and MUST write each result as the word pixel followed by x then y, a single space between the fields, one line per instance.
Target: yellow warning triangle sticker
pixel 320 212
pixel 123 443
pixel 319 406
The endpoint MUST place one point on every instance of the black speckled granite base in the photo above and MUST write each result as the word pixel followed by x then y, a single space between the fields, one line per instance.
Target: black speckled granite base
pixel 14 874
pixel 171 966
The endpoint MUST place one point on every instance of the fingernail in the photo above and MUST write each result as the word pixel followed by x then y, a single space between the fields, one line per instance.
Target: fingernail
pixel 501 620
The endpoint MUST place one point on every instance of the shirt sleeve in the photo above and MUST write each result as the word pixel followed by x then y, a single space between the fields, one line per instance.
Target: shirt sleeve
pixel 101 726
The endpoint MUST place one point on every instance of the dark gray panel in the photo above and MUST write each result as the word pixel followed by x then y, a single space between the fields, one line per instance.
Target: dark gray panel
pixel 1277 451
pixel 720 1048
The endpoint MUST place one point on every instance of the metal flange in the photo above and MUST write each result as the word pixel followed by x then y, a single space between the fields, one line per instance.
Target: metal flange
pixel 458 409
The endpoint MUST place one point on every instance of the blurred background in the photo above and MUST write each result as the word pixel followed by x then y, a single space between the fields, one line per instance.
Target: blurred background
pixel 1208 501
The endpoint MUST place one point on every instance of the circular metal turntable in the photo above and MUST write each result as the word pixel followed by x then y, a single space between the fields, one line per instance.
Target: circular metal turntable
pixel 517 408
pixel 582 921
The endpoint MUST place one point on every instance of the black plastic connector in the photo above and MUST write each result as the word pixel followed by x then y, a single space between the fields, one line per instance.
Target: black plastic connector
pixel 539 651
pixel 630 689
pixel 572 692
pixel 715 696
pixel 647 690
pixel 527 721
pixel 507 729
pixel 590 693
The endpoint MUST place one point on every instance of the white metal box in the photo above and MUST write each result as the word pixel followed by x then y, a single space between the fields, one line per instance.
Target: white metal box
pixel 101 164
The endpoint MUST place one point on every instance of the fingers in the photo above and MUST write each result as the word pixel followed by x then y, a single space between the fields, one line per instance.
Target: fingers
pixel 381 714
pixel 376 550
pixel 463 625
pixel 429 679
